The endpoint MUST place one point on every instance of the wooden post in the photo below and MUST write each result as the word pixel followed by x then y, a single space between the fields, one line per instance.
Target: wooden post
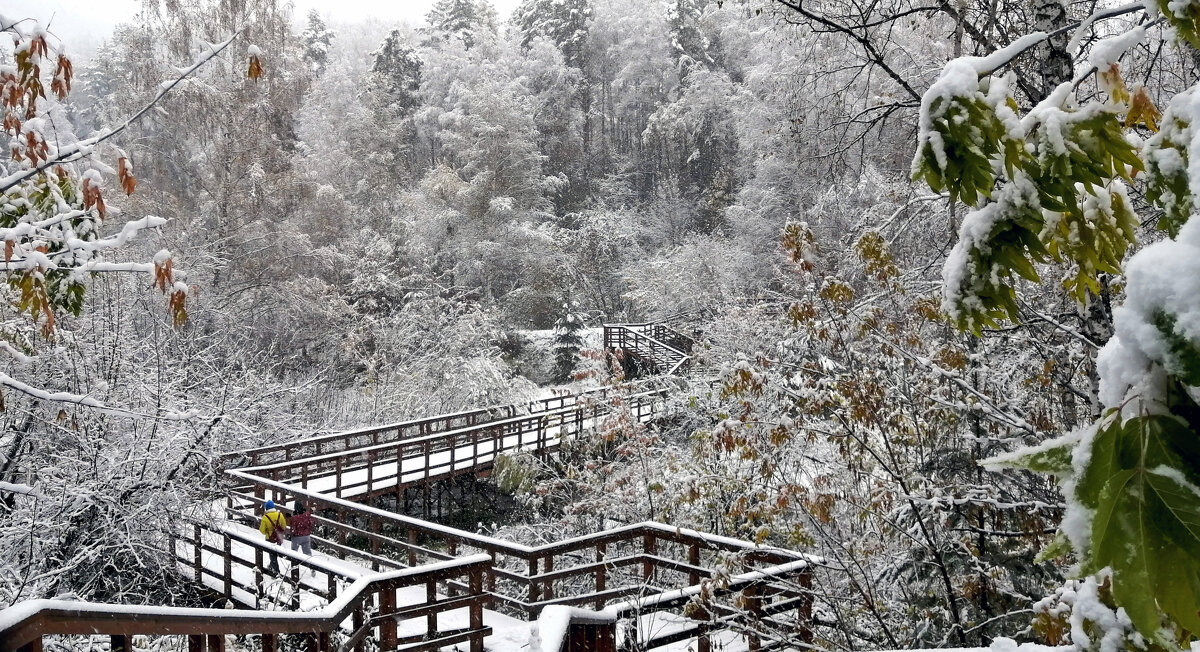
pixel 295 577
pixel 491 576
pixel 119 643
pixel 703 643
pixel 337 486
pixel 387 625
pixel 548 587
pixel 370 455
pixel 601 573
pixel 356 620
pixel 649 547
pixel 431 624
pixel 532 611
pixel 476 609
pixel 341 517
pixel 195 643
pixel 412 553
pixel 324 644
pixel 197 543
pixel 804 616
pixel 270 643
pixel 227 548
pixel 216 643
pixel 694 560
pixel 753 608
pixel 33 646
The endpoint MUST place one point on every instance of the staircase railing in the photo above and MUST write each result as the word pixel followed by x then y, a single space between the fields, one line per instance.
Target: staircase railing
pixel 634 563
pixel 643 342
pixel 369 606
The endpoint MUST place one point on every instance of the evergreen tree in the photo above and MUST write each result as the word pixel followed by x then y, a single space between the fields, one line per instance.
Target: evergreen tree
pixel 563 22
pixel 317 37
pixel 392 95
pixel 567 341
pixel 462 19
pixel 691 46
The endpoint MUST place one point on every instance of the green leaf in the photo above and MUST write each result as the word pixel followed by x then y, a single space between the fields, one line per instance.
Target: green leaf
pixel 1052 457
pixel 1057 549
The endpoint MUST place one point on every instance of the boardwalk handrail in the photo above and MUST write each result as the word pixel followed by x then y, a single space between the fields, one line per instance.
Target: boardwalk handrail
pixel 23 625
pixel 416 427
pixel 543 570
pixel 647 346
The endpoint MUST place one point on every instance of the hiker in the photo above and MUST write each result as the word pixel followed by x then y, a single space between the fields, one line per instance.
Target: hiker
pixel 302 528
pixel 273 526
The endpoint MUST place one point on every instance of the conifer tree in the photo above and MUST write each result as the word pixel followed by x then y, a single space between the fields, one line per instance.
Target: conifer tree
pixel 568 341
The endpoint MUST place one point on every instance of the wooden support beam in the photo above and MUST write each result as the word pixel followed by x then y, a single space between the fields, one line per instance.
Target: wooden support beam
pixel 119 643
pixel 227 567
pixel 649 546
pixel 431 621
pixel 270 643
pixel 195 643
pixel 476 609
pixel 387 625
pixel 694 560
pixel 197 544
pixel 216 643
pixel 601 573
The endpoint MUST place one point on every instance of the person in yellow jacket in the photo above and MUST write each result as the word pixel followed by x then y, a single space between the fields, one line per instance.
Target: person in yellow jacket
pixel 273 526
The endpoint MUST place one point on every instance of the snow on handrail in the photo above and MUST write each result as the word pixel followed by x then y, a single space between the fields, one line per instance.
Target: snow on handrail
pixel 20 624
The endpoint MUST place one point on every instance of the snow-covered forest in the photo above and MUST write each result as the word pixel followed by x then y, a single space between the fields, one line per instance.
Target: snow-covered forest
pixel 937 257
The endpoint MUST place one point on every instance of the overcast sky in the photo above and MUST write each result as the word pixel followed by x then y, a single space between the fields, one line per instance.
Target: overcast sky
pixel 84 23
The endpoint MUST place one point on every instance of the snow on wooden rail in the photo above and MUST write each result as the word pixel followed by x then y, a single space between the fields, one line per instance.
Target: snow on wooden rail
pixel 23 625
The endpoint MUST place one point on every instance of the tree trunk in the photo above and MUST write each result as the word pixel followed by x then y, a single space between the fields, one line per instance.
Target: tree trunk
pixel 1053 60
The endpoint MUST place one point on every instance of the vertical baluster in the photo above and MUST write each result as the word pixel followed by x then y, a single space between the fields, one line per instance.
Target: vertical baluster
pixel 804 616
pixel 476 609
pixel 694 560
pixel 387 625
pixel 195 643
pixel 753 603
pixel 431 624
pixel 649 547
pixel 357 620
pixel 227 571
pixel 216 643
pixel 370 455
pixel 601 574
pixel 412 552
pixel 532 611
pixel 337 487
pixel 197 546
pixel 119 643
pixel 269 643
pixel 548 587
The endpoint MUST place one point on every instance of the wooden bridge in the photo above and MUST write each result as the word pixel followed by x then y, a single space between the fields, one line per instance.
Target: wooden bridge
pixel 388 581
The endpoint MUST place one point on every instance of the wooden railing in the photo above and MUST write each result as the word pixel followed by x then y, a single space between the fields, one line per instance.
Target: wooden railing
pixel 640 341
pixel 342 441
pixel 369 606
pixel 632 563
pixel 626 571
pixel 391 467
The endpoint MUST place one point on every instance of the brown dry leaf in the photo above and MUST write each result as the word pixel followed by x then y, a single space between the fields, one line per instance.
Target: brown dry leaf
pixel 1142 111
pixel 125 175
pixel 256 70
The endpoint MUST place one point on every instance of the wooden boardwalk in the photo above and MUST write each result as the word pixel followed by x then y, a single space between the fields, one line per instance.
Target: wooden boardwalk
pixel 413 584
